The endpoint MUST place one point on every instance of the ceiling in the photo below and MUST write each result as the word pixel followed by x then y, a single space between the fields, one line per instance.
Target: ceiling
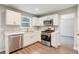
pixel 40 9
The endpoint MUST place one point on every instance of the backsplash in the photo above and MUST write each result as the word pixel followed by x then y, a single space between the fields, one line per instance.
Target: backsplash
pixel 42 28
pixel 12 28
pixel 18 28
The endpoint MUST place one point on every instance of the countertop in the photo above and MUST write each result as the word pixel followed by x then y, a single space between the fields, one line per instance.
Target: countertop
pixel 13 32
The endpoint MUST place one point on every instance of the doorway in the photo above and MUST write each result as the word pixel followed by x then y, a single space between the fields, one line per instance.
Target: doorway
pixel 67 30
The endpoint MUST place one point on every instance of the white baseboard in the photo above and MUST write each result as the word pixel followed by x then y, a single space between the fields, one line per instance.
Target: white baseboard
pixel 2 50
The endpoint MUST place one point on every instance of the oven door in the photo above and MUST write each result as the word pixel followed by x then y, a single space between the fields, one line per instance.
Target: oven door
pixel 45 37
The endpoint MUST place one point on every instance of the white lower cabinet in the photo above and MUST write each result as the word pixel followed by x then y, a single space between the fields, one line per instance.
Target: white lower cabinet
pixel 55 40
pixel 77 44
pixel 37 35
pixel 26 40
pixel 2 46
pixel 77 41
pixel 31 37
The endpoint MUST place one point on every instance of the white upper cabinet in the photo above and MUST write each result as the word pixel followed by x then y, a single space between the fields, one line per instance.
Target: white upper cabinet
pixel 40 21
pixel 55 19
pixel 37 21
pixel 34 21
pixel 13 18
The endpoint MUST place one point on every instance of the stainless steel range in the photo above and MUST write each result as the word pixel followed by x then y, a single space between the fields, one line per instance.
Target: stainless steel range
pixel 46 37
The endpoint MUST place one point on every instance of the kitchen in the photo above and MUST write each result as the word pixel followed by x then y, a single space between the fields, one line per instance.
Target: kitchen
pixel 22 28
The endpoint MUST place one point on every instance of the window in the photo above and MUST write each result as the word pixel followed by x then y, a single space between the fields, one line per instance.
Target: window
pixel 25 21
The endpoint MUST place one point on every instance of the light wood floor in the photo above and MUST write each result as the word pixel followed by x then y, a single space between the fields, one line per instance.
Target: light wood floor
pixel 39 48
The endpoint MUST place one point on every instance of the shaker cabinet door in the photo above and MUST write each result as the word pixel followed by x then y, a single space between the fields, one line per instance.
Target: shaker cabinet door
pixel 13 18
pixel 55 19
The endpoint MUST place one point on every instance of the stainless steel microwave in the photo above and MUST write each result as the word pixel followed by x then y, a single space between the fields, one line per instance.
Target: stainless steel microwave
pixel 48 22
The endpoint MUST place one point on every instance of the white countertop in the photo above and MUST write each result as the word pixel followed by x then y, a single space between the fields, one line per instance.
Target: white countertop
pixel 13 32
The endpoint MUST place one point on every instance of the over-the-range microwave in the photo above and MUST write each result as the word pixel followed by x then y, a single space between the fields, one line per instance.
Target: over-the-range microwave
pixel 48 22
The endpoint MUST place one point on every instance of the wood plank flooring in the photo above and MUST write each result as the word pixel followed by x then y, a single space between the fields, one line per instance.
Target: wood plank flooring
pixel 39 48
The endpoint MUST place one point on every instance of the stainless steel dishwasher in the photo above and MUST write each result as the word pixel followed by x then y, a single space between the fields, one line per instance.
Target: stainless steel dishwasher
pixel 15 42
